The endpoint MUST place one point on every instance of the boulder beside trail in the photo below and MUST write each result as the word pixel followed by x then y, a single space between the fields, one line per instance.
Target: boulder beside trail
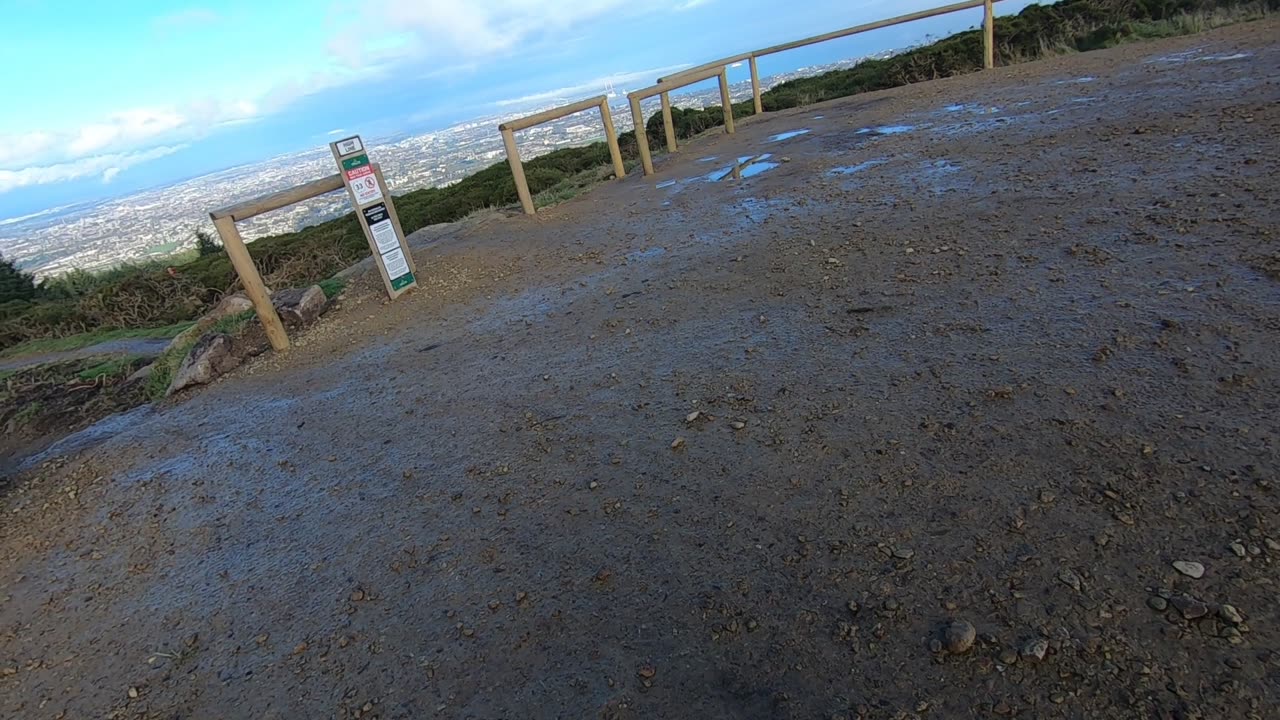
pixel 299 307
pixel 211 356
pixel 232 304
pixel 215 353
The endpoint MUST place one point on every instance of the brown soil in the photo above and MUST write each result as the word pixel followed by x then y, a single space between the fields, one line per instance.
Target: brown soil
pixel 740 449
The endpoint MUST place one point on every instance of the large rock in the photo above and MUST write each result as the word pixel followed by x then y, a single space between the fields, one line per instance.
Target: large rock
pixel 211 356
pixel 300 306
pixel 232 304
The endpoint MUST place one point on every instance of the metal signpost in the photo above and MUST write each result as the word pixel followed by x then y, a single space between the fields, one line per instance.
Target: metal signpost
pixel 376 214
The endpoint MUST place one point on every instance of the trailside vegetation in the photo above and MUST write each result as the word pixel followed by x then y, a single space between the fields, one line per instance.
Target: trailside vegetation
pixel 165 292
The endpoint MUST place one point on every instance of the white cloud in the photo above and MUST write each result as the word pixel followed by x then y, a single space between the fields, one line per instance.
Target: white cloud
pixel 108 166
pixel 125 128
pixel 593 87
pixel 477 29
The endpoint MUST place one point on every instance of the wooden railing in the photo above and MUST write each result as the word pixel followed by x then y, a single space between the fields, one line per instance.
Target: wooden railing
pixel 719 67
pixel 706 71
pixel 509 128
pixel 225 219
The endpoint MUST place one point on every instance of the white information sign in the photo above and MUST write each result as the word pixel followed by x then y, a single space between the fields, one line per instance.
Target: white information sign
pixel 366 187
pixel 395 264
pixel 349 146
pixel 384 235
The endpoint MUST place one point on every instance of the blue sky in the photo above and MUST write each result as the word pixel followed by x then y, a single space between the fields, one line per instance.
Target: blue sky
pixel 106 98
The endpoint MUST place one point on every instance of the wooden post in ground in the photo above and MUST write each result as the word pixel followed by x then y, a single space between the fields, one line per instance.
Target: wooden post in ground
pixel 611 137
pixel 642 140
pixel 252 281
pixel 988 35
pixel 517 171
pixel 667 124
pixel 755 86
pixel 724 100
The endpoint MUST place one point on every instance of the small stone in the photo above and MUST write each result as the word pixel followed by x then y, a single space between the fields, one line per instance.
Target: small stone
pixel 891 605
pixel 692 416
pixel 753 625
pixel 1191 608
pixel 1238 549
pixel 521 595
pixel 959 636
pixel 1157 603
pixel 494 605
pixel 853 607
pixel 1273 544
pixel 1047 496
pixel 1070 578
pixel 904 553
pixel 737 425
pixel 133 692
pixel 300 648
pixel 1230 614
pixel 647 672
pixel 935 646
pixel 1008 656
pixel 1190 568
pixel 1035 649
pixel 677 443
pixel 593 485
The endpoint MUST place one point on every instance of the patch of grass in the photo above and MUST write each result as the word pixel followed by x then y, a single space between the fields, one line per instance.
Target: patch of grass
pixel 1190 23
pixel 332 286
pixel 572 186
pixel 83 340
pixel 27 413
pixel 107 369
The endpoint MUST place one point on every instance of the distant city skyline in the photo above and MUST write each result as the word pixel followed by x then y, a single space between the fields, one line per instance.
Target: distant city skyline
pixel 121 97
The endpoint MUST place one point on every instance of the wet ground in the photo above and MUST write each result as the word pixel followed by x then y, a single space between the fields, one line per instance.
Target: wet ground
pixel 913 423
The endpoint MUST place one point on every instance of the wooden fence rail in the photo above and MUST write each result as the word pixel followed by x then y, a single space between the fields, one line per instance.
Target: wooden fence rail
pixel 700 72
pixel 509 128
pixel 225 219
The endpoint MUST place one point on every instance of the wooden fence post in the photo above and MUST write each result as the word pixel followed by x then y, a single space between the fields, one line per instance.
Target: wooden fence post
pixel 755 86
pixel 642 140
pixel 988 35
pixel 252 281
pixel 611 137
pixel 724 100
pixel 667 124
pixel 517 171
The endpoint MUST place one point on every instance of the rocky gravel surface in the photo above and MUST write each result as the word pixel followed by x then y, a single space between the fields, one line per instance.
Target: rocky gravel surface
pixel 961 404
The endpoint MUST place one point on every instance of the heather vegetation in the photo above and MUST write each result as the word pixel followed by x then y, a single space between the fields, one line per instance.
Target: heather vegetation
pixel 174 290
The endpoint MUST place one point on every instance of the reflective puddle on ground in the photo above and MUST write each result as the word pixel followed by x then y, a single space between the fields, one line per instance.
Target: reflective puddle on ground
pixel 887 130
pixel 851 169
pixel 788 135
pixel 745 166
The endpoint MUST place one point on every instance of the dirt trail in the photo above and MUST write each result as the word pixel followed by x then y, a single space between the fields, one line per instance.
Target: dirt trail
pixel 996 350
pixel 136 347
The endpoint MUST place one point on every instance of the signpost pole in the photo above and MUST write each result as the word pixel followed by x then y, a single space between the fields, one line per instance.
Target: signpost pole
pixel 252 281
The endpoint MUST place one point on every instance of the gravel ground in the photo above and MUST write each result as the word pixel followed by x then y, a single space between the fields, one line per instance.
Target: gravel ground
pixel 961 404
